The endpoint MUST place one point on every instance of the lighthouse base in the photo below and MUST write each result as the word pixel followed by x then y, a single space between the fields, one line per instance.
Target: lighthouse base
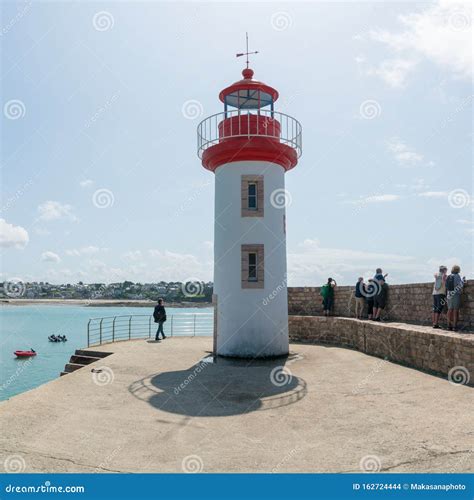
pixel 251 328
pixel 276 356
pixel 258 337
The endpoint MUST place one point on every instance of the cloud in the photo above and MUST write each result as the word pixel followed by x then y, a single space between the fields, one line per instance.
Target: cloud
pixel 89 250
pixel 142 266
pixel 405 156
pixel 394 71
pixel 433 194
pixel 180 266
pixel 381 198
pixel 467 222
pixel 418 184
pixel 310 264
pixel 86 183
pixel 153 265
pixel 133 255
pixel 53 210
pixel 41 231
pixel 12 236
pixel 50 257
pixel 440 33
pixel 376 198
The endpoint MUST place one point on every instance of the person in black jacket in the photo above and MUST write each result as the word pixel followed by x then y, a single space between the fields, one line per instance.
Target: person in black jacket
pixel 159 315
pixel 380 299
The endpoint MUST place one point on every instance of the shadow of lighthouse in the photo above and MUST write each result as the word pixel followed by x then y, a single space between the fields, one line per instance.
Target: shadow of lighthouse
pixel 222 388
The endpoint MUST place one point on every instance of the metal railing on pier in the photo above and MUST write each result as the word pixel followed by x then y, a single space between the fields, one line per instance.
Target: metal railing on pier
pixel 137 326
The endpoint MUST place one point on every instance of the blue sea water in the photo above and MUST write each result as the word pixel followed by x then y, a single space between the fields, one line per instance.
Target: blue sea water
pixel 28 326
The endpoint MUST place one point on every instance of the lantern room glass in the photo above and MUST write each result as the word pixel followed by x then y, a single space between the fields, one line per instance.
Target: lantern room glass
pixel 248 99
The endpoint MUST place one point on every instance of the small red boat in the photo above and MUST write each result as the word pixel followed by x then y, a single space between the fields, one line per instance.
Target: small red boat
pixel 25 354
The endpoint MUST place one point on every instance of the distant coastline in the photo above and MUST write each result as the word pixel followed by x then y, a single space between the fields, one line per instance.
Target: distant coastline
pixel 99 303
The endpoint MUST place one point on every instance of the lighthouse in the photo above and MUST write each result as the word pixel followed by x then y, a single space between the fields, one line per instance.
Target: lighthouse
pixel 249 147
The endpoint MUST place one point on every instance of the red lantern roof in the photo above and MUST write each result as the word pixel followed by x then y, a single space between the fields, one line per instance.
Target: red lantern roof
pixel 248 93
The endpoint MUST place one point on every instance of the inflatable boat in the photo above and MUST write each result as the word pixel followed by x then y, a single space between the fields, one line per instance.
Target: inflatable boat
pixel 25 354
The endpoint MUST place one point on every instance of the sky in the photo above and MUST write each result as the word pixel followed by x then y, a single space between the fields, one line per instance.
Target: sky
pixel 100 104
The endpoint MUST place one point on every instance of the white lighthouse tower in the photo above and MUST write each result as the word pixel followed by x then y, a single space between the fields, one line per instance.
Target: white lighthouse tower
pixel 249 147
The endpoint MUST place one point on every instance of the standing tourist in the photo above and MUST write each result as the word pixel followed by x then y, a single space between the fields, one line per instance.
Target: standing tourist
pixel 439 294
pixel 454 286
pixel 379 276
pixel 360 297
pixel 380 298
pixel 159 315
pixel 370 291
pixel 327 293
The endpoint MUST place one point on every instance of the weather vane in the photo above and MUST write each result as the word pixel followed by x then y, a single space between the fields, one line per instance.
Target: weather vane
pixel 247 53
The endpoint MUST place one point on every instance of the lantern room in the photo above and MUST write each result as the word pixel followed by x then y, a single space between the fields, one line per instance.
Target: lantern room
pixel 248 94
pixel 249 128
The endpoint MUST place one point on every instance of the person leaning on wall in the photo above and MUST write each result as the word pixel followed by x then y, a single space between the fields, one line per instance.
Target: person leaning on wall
pixel 454 288
pixel 380 298
pixel 439 294
pixel 327 294
pixel 360 294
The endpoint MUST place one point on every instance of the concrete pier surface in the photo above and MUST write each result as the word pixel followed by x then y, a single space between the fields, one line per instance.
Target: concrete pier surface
pixel 157 407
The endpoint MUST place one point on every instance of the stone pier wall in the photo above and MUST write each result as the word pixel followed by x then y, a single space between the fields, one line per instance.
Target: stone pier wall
pixel 410 303
pixel 444 353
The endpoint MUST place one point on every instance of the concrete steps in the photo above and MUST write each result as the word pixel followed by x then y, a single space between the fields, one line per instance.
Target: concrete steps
pixel 81 358
pixel 72 367
pixel 95 354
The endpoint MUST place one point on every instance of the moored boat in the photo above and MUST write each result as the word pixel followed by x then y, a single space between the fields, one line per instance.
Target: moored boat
pixel 25 354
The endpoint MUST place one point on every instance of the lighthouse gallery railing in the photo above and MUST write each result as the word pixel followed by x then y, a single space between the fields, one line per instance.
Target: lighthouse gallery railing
pixel 138 326
pixel 265 123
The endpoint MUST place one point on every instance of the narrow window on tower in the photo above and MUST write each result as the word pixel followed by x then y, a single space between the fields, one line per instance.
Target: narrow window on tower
pixel 252 276
pixel 252 196
pixel 253 273
pixel 252 188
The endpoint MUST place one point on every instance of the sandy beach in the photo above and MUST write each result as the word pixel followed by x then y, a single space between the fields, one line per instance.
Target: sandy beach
pixel 98 303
